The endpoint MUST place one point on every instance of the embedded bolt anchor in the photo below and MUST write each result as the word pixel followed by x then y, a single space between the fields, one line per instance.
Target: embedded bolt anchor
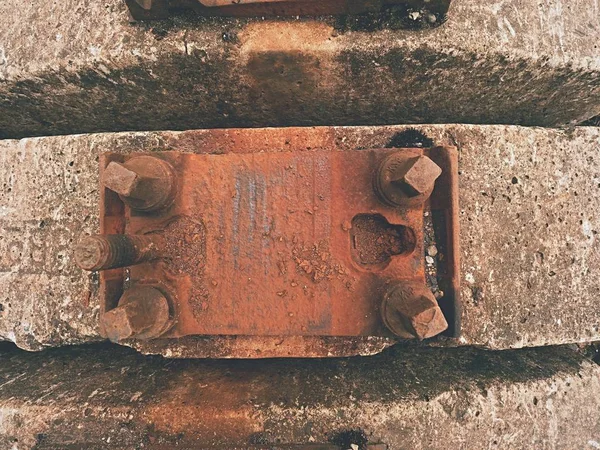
pixel 406 179
pixel 410 311
pixel 142 313
pixel 144 183
pixel 101 252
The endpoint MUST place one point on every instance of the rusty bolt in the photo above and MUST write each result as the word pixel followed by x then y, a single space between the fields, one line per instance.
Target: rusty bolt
pixel 101 252
pixel 410 310
pixel 145 183
pixel 142 313
pixel 406 179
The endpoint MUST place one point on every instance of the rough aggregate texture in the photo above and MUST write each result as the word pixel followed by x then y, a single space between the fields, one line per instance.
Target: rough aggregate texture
pixel 79 66
pixel 529 236
pixel 529 247
pixel 412 398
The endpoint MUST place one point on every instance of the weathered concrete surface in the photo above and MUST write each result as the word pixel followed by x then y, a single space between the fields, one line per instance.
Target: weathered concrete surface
pixel 78 66
pixel 529 201
pixel 529 225
pixel 415 398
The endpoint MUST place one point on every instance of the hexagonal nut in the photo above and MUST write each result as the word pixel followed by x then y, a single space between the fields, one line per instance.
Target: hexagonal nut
pixel 145 183
pixel 410 311
pixel 142 313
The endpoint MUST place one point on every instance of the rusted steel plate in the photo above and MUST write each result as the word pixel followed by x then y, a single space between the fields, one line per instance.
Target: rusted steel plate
pixel 278 253
pixel 158 9
pixel 281 244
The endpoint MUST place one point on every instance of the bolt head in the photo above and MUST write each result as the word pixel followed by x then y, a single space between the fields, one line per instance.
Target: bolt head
pixel 420 175
pixel 120 179
pixel 411 311
pixel 406 178
pixel 144 183
pixel 142 313
pixel 119 323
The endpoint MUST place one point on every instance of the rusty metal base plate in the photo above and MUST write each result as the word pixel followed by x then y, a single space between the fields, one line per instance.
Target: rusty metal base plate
pixel 285 253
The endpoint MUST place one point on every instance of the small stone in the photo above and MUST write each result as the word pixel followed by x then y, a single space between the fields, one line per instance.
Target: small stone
pixel 431 18
pixel 429 260
pixel 432 250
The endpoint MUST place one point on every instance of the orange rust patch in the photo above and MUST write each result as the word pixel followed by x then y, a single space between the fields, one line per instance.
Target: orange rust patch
pixel 277 36
pixel 190 405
